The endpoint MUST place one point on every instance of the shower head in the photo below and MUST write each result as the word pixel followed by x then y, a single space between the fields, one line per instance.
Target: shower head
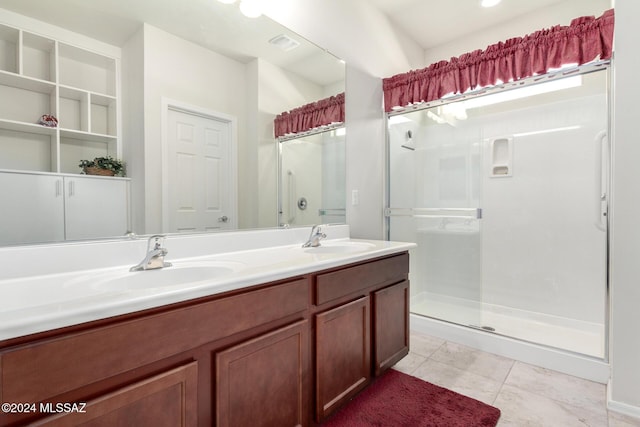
pixel 409 144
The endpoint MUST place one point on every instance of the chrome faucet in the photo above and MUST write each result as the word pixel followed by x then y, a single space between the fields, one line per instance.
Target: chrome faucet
pixel 155 255
pixel 315 237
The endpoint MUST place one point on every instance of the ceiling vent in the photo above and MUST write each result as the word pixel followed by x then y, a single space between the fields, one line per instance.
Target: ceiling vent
pixel 284 42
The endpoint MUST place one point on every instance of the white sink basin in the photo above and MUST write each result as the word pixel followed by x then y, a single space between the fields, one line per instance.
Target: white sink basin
pixel 177 274
pixel 340 248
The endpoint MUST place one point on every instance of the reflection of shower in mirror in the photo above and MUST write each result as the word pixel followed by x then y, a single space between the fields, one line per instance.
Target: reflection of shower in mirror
pixel 312 178
pixel 291 189
pixel 302 203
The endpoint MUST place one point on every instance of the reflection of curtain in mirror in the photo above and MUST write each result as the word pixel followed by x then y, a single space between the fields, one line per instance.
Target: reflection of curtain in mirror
pixel 310 116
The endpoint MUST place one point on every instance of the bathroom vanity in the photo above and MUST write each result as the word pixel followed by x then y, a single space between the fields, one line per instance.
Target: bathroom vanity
pixel 287 351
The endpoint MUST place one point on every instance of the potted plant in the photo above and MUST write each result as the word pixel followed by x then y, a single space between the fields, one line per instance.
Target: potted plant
pixel 106 166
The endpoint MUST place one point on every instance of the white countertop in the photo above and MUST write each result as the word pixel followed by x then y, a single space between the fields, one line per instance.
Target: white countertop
pixel 43 302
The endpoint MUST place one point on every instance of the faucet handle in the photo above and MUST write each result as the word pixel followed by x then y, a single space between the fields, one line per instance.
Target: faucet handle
pixel 155 241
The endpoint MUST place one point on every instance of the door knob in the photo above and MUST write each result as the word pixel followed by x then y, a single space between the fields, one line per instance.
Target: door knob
pixel 223 218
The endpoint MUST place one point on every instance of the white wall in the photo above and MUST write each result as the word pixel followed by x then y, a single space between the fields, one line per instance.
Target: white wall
pixel 133 123
pixel 248 159
pixel 194 76
pixel 365 142
pixel 625 205
pixel 254 93
pixel 352 30
pixel 278 91
pixel 556 14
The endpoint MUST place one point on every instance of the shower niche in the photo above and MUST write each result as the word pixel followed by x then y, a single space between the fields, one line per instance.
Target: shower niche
pixel 501 157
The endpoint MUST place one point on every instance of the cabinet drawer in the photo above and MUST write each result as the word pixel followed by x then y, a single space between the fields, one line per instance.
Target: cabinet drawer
pixel 339 283
pixel 38 371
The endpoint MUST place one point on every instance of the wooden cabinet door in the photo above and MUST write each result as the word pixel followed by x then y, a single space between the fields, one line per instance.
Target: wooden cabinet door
pixel 391 325
pixel 168 399
pixel 343 354
pixel 265 381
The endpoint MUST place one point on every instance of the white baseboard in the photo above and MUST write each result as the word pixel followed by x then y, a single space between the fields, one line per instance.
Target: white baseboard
pixel 621 408
pixel 557 360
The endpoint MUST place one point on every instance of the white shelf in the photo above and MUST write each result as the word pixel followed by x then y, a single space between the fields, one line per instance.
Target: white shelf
pixel 26 83
pixel 85 136
pixel 41 75
pixel 93 93
pixel 26 127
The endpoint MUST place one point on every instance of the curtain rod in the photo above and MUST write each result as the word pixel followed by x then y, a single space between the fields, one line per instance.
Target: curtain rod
pixel 310 132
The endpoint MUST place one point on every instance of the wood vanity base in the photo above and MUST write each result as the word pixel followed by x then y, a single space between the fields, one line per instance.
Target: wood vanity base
pixel 287 353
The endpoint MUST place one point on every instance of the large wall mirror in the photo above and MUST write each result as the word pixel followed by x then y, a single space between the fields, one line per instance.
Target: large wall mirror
pixel 141 81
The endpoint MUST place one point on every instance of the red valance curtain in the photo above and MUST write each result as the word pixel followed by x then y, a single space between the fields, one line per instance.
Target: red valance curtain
pixel 310 116
pixel 586 39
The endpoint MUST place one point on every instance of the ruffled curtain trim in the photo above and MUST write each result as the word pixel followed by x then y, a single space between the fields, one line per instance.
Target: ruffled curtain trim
pixel 586 39
pixel 310 116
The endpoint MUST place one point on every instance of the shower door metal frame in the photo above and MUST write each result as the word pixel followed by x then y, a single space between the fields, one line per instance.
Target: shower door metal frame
pixel 606 66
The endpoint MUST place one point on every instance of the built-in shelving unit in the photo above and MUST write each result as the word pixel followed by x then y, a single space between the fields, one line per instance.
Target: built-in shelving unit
pixel 45 198
pixel 40 75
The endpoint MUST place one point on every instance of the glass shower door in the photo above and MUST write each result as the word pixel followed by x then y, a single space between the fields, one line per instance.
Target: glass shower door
pixel 506 197
pixel 435 202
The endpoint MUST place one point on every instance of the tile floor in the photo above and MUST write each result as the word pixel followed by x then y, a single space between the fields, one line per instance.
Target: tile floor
pixel 527 395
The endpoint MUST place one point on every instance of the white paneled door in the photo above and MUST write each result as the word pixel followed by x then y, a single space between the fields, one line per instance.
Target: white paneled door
pixel 200 172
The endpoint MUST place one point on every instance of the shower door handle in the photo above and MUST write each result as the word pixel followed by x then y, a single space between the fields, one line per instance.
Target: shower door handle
pixel 291 196
pixel 601 147
pixel 464 213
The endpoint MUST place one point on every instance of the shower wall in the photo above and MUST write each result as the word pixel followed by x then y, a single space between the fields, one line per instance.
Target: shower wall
pixel 542 247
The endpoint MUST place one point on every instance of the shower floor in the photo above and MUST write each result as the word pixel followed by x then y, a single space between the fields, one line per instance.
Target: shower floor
pixel 567 334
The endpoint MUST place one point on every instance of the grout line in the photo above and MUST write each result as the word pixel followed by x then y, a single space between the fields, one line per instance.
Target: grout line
pixel 513 363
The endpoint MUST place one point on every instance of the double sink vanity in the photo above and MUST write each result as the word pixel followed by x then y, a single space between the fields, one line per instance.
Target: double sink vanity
pixel 243 329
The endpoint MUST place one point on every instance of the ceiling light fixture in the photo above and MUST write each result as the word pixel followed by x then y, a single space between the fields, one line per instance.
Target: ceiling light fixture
pixel 489 3
pixel 250 8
